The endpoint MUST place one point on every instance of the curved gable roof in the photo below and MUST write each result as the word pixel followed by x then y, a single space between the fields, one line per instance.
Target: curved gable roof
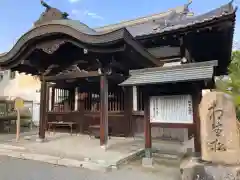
pixel 54 21
pixel 87 37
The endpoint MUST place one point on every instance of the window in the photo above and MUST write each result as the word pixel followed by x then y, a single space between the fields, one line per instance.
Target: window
pixel 12 74
pixel 62 100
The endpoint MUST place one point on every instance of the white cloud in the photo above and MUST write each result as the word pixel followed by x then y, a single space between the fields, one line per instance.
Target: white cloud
pixel 93 15
pixel 75 12
pixel 73 1
pixel 80 14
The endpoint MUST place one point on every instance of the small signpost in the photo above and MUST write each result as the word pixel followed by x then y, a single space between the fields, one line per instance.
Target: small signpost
pixel 19 103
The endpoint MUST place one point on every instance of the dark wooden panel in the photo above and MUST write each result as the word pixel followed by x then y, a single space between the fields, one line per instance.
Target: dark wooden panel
pixel 172 125
pixel 138 125
pixel 165 131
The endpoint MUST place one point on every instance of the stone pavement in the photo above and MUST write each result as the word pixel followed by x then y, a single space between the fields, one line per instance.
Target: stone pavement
pixel 11 168
pixel 74 151
pixel 80 151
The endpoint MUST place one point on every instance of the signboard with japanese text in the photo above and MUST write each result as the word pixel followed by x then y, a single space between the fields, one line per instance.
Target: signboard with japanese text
pixel 171 109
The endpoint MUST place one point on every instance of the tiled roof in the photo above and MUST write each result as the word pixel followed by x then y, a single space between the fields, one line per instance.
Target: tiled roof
pixel 156 24
pixel 179 73
pixel 141 20
pixel 174 21
pixel 167 21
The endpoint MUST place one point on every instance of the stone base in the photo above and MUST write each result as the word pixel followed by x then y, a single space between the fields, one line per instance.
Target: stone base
pixel 104 147
pixel 147 162
pixel 27 137
pixel 192 169
pixel 40 140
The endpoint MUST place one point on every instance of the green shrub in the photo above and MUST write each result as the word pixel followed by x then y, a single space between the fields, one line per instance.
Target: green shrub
pixel 231 85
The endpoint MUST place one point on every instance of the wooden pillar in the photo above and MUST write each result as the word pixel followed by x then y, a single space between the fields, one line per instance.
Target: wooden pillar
pixel 128 107
pixel 197 95
pixel 53 98
pixel 71 100
pixel 103 110
pixel 147 127
pixel 81 109
pixel 43 108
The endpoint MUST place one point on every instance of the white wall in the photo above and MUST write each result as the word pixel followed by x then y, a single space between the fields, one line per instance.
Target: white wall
pixel 24 86
pixel 21 86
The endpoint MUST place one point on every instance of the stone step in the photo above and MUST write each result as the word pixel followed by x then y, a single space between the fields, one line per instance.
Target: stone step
pixel 167 159
pixel 169 147
pixel 11 147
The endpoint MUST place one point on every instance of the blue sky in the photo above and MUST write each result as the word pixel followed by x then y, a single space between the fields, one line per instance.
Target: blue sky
pixel 18 16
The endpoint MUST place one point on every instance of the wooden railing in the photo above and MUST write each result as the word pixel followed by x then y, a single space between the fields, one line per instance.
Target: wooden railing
pixel 64 101
pixel 115 101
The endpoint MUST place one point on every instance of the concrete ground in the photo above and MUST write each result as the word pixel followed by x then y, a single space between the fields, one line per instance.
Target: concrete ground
pixel 83 147
pixel 75 150
pixel 82 151
pixel 11 168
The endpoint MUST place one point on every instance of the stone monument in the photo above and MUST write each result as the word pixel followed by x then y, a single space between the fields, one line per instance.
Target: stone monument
pixel 219 132
pixel 219 139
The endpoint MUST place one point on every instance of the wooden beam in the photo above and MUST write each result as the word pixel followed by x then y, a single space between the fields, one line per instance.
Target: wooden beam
pixel 72 75
pixel 164 52
pixel 117 77
pixel 43 109
pixel 117 65
pixel 103 111
pixel 172 125
pixel 27 63
pixel 170 59
pixel 147 126
pixel 182 47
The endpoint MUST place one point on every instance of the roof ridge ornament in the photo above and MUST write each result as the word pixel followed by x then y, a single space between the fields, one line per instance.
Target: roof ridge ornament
pixel 45 5
pixel 231 5
pixel 186 7
pixel 50 14
pixel 189 2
